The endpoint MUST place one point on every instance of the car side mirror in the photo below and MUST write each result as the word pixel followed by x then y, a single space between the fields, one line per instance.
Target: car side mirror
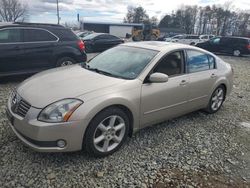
pixel 158 78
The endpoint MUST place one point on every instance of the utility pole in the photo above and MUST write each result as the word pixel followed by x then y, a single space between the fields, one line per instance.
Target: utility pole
pixel 58 16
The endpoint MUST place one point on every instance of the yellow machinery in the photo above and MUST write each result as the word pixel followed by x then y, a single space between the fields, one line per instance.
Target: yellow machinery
pixel 145 33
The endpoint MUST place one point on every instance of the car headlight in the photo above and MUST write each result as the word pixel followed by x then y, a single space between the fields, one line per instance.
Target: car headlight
pixel 59 111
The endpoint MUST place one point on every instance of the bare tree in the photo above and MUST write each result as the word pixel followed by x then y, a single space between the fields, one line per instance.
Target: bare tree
pixel 136 15
pixel 12 10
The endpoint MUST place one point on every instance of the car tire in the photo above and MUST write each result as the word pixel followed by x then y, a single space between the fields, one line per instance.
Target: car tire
pixel 65 61
pixel 107 132
pixel 216 100
pixel 237 53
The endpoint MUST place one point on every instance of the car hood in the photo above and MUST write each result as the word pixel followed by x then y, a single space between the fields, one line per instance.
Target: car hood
pixel 68 82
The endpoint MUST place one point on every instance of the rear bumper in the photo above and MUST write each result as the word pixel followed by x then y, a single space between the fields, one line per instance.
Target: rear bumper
pixel 43 137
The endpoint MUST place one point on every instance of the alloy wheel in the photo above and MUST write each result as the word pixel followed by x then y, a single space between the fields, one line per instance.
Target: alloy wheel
pixel 217 99
pixel 236 53
pixel 66 63
pixel 109 133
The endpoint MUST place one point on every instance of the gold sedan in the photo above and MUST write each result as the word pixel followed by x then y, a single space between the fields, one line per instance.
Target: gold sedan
pixel 97 105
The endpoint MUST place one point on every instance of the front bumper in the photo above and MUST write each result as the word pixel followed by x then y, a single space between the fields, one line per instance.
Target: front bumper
pixel 42 136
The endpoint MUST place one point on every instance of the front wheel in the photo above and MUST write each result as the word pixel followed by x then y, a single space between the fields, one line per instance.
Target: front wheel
pixel 216 100
pixel 107 132
pixel 236 53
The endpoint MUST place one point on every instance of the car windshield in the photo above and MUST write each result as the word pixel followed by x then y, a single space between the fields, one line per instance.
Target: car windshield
pixel 124 62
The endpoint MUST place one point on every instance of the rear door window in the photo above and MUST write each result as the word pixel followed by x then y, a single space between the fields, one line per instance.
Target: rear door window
pixel 10 35
pixel 38 35
pixel 197 61
pixel 211 61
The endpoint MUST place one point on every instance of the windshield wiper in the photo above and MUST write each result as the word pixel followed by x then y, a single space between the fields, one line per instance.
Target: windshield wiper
pixel 86 66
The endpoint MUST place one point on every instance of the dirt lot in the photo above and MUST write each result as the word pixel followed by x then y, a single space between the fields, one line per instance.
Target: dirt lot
pixel 196 150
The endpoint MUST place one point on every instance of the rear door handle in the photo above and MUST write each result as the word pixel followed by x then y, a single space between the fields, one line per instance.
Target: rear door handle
pixel 183 83
pixel 213 75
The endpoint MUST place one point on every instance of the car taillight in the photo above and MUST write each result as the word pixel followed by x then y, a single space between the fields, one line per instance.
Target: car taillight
pixel 81 45
pixel 248 46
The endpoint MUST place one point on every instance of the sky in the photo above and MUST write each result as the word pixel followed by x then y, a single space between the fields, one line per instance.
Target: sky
pixel 44 11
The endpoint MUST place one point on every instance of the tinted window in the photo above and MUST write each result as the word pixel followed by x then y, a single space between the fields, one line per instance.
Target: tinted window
pixel 64 34
pixel 91 36
pixel 111 37
pixel 215 40
pixel 171 65
pixel 226 41
pixel 10 35
pixel 102 37
pixel 197 61
pixel 125 62
pixel 36 35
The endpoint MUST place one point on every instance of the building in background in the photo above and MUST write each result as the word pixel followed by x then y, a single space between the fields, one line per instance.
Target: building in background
pixel 117 29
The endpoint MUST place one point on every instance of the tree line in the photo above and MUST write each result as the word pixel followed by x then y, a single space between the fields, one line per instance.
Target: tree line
pixel 215 19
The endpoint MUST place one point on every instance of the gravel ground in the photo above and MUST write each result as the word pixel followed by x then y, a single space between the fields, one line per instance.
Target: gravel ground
pixel 196 150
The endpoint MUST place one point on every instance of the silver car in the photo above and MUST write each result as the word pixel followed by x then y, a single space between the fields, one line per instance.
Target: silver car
pixel 97 105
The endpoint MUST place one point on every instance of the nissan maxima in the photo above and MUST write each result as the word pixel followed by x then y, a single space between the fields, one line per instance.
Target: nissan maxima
pixel 96 105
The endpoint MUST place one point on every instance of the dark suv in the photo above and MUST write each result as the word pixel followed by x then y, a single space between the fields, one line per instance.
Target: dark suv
pixel 29 48
pixel 236 46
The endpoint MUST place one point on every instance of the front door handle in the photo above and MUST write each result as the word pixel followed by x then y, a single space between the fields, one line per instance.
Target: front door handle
pixel 183 83
pixel 213 75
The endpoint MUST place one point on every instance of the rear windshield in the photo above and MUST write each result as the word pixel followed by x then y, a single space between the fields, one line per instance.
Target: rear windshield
pixel 91 36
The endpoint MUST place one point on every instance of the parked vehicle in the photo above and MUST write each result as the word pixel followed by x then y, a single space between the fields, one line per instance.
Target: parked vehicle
pixel 184 39
pixel 29 48
pixel 118 92
pixel 99 42
pixel 236 46
pixel 147 32
pixel 83 34
pixel 206 37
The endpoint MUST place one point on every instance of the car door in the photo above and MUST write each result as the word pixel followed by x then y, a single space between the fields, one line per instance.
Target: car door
pixel 214 45
pixel 226 45
pixel 202 74
pixel 100 43
pixel 113 41
pixel 11 51
pixel 38 47
pixel 161 101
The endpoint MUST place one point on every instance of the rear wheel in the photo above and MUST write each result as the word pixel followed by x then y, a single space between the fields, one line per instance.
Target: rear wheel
pixel 216 100
pixel 106 132
pixel 65 61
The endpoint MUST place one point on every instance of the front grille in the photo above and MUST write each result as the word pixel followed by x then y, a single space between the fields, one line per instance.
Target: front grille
pixel 22 108
pixel 19 106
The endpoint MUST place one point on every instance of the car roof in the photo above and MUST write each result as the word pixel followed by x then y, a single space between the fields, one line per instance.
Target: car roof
pixel 36 25
pixel 161 46
pixel 233 37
